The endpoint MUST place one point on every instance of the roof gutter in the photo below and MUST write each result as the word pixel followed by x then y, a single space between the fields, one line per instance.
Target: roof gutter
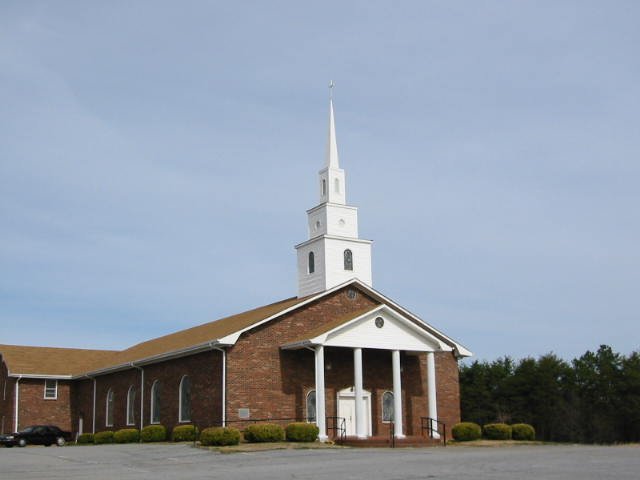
pixel 203 347
pixel 41 376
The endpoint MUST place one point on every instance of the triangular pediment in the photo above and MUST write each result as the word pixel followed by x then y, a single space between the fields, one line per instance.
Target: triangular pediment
pixel 382 328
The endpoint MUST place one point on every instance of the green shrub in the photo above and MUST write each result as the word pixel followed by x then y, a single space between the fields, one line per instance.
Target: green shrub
pixel 184 433
pixel 497 431
pixel 523 431
pixel 466 431
pixel 264 432
pixel 302 432
pixel 85 438
pixel 103 437
pixel 153 433
pixel 220 436
pixel 127 435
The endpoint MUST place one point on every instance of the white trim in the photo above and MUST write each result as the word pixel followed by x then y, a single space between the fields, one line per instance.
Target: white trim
pixel 321 205
pixel 323 338
pixel 153 407
pixel 431 391
pixel 321 411
pixel 349 392
pixel 390 392
pixel 41 376
pixel 109 407
pixel 17 400
pixel 55 390
pixel 131 413
pixel 357 382
pixel 333 237
pixel 232 338
pixel 398 416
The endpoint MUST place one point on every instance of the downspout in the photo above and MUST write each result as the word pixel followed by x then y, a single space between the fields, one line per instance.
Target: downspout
pixel 17 402
pixel 141 394
pixel 224 382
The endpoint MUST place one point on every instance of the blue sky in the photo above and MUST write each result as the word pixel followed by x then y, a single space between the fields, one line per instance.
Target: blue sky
pixel 157 159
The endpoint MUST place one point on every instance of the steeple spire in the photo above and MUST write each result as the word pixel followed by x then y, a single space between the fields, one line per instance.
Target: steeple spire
pixel 333 253
pixel 332 145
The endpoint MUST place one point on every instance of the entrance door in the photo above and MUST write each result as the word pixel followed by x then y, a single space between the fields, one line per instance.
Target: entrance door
pixel 80 425
pixel 347 410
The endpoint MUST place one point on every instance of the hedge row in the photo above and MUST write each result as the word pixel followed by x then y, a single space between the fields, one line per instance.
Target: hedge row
pixel 466 431
pixel 261 432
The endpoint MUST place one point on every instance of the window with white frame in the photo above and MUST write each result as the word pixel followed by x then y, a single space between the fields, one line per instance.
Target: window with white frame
pixel 185 399
pixel 51 389
pixel 312 263
pixel 131 406
pixel 108 418
pixel 311 406
pixel 155 402
pixel 348 260
pixel 387 407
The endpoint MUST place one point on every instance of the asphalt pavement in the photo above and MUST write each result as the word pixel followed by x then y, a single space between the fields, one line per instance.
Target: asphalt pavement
pixel 173 461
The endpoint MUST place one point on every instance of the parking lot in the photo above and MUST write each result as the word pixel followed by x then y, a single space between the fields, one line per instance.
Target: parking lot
pixel 167 461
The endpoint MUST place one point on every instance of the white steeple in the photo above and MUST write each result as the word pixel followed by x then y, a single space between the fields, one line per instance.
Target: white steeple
pixel 332 144
pixel 332 183
pixel 334 253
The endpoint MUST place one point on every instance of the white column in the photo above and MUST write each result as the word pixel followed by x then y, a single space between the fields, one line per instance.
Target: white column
pixel 397 394
pixel 431 390
pixel 321 416
pixel 357 382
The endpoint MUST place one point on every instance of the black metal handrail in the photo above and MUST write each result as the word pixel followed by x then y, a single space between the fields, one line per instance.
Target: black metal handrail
pixel 432 426
pixel 339 425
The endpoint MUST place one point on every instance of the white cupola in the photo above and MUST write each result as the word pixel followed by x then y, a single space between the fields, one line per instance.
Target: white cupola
pixel 333 253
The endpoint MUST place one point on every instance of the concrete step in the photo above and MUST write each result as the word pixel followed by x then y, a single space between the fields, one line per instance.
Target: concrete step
pixel 385 442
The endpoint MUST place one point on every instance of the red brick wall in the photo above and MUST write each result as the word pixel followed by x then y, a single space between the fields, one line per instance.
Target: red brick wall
pixel 274 383
pixel 448 389
pixel 269 381
pixel 204 369
pixel 7 395
pixel 35 409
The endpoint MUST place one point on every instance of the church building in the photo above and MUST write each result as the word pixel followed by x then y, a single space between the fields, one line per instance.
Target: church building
pixel 339 353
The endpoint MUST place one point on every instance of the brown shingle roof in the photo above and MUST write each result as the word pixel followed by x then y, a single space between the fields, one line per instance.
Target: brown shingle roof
pixel 69 361
pixel 52 361
pixel 200 334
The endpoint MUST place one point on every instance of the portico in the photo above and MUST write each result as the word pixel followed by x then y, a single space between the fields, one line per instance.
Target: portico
pixel 380 328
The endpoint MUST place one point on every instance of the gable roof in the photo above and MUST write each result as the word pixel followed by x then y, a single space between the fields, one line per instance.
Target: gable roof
pixel 49 361
pixel 69 362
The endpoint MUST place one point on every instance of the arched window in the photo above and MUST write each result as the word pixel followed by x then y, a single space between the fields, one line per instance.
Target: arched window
pixel 387 407
pixel 185 399
pixel 324 187
pixel 348 260
pixel 131 406
pixel 108 419
pixel 311 406
pixel 155 402
pixel 312 263
pixel 336 185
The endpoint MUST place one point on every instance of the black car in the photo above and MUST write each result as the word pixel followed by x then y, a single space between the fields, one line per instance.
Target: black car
pixel 36 435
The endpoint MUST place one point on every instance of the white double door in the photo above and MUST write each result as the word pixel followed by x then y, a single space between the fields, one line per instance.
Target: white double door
pixel 347 410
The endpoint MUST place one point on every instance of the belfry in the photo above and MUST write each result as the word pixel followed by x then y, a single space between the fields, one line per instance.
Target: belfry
pixel 333 254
